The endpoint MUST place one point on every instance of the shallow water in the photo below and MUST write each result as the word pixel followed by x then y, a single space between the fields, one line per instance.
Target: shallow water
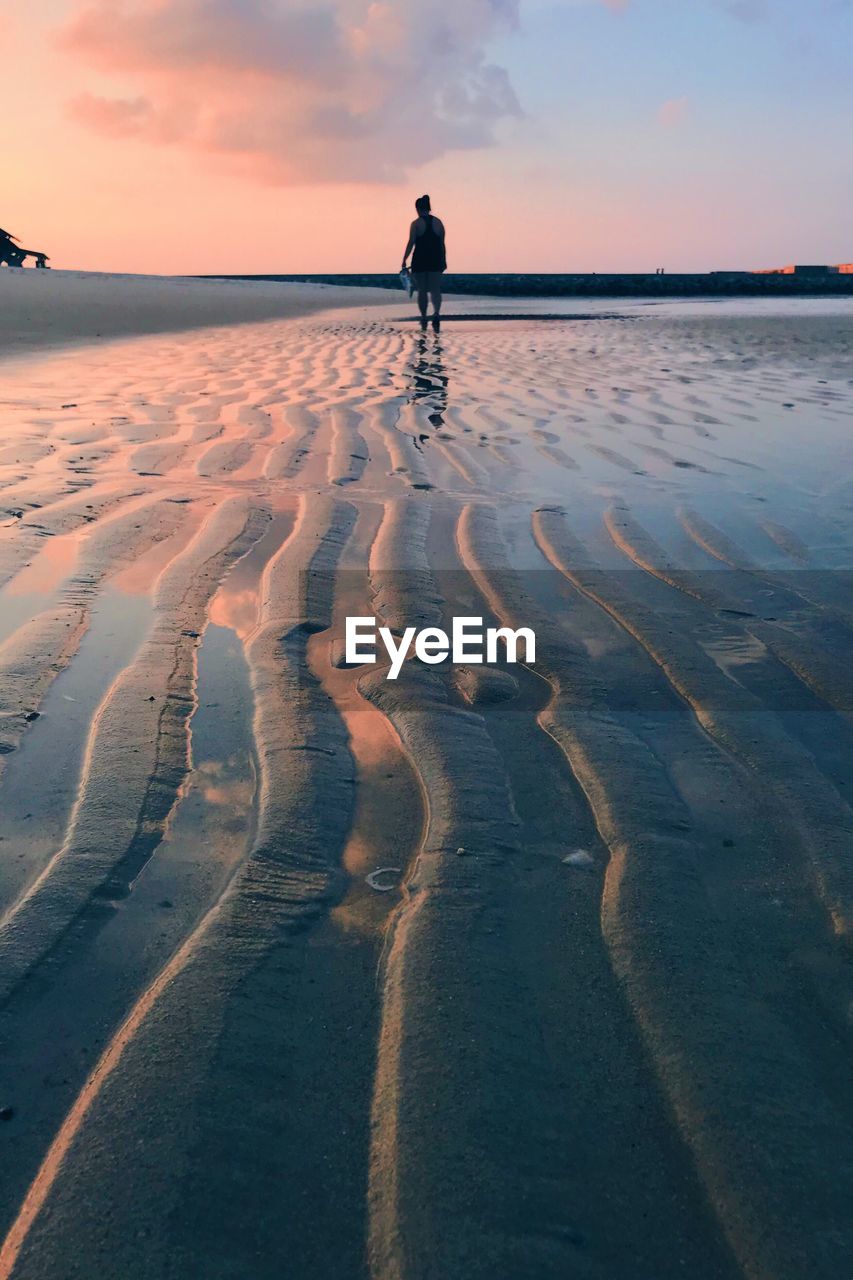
pixel 41 779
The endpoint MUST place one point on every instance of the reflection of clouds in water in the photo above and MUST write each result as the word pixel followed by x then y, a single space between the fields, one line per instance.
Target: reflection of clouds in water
pixel 48 569
pixel 235 794
pixel 237 610
pixel 210 767
pixel 376 744
pixel 427 379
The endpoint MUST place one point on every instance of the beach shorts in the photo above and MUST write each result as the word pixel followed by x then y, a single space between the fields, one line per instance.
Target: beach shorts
pixel 428 280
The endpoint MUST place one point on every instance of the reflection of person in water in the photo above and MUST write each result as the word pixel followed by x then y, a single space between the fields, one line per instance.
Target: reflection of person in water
pixel 426 237
pixel 429 383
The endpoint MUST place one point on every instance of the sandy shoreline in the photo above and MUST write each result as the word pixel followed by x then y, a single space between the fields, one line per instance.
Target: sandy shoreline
pixel 41 309
pixel 224 1052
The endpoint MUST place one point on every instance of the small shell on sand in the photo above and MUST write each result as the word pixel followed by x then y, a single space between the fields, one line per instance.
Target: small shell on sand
pixel 376 879
pixel 579 858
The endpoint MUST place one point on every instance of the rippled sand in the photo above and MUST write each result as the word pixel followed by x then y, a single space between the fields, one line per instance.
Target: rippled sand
pixel 225 1052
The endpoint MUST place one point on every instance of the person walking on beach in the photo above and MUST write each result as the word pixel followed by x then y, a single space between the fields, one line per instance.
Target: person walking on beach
pixel 426 237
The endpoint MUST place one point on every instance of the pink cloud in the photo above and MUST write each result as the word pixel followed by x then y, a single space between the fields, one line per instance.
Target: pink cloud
pixel 674 112
pixel 120 117
pixel 347 90
pixel 617 6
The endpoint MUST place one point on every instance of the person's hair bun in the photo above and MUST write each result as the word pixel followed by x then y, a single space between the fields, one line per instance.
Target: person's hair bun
pixel 426 200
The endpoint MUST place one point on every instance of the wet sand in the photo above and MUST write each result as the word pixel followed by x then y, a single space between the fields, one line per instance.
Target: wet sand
pixel 594 1019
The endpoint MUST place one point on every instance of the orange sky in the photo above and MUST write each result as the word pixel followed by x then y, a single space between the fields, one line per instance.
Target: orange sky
pixel 171 141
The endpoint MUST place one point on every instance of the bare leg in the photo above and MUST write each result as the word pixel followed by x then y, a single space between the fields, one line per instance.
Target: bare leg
pixel 436 306
pixel 423 299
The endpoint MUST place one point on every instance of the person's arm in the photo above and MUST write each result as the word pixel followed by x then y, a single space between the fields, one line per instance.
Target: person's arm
pixel 410 246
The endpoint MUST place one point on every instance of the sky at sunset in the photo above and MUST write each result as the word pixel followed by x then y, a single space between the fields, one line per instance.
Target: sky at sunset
pixel 287 135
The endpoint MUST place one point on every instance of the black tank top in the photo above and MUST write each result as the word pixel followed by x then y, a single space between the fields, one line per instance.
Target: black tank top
pixel 429 252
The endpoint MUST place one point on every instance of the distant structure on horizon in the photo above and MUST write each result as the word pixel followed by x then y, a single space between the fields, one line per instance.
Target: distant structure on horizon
pixel 843 269
pixel 790 282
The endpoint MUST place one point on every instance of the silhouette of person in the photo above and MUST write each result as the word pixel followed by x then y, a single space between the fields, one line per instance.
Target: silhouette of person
pixel 429 260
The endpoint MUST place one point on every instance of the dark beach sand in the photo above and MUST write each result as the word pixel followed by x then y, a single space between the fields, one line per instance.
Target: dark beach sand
pixel 224 1053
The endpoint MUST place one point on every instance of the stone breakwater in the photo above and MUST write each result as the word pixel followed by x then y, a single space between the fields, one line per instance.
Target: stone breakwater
pixel 635 285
